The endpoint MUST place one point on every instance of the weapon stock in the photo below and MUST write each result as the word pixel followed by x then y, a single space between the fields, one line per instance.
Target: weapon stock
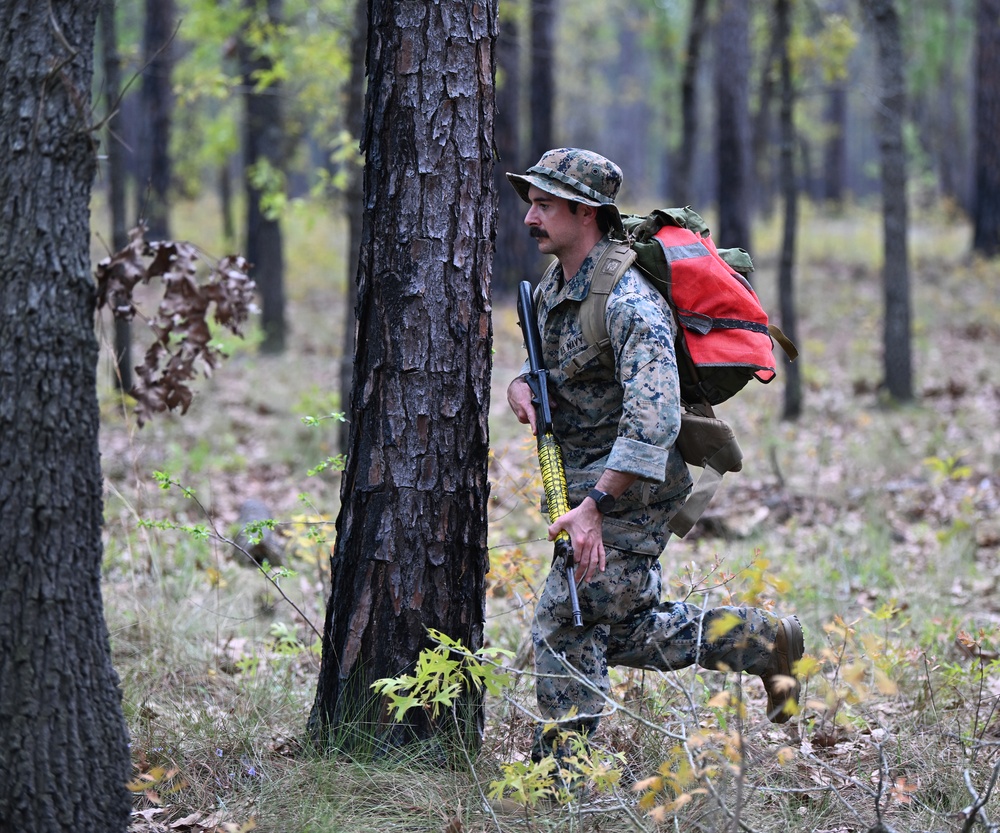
pixel 549 454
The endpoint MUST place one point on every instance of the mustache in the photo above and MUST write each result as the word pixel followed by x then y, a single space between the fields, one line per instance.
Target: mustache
pixel 537 232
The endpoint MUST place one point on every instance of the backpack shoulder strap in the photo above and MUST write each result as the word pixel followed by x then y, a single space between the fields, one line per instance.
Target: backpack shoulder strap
pixel 614 263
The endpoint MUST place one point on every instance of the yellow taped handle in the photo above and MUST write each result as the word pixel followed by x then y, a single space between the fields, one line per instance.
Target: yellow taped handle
pixel 557 496
pixel 553 478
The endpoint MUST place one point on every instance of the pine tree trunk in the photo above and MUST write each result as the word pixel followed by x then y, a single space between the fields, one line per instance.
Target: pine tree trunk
pixel 763 139
pixel 116 176
pixel 732 95
pixel 514 259
pixel 835 146
pixel 411 535
pixel 64 758
pixel 156 101
pixel 542 89
pixel 790 194
pixel 354 198
pixel 683 173
pixel 986 213
pixel 263 144
pixel 896 276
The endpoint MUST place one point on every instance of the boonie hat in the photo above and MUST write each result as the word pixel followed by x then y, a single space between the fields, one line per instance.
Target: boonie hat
pixel 574 174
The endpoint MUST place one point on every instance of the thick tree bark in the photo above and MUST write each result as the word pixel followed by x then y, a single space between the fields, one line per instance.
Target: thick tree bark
pixel 732 96
pixel 64 757
pixel 156 101
pixel 263 143
pixel 896 273
pixel 790 194
pixel 411 535
pixel 986 212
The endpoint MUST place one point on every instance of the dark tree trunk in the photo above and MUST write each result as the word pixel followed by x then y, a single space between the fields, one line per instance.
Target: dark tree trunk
pixel 889 120
pixel 835 146
pixel 629 110
pixel 225 181
pixel 411 535
pixel 938 104
pixel 986 212
pixel 116 176
pixel 683 168
pixel 513 261
pixel 732 96
pixel 790 194
pixel 64 757
pixel 263 145
pixel 354 108
pixel 156 102
pixel 762 140
pixel 953 145
pixel 542 91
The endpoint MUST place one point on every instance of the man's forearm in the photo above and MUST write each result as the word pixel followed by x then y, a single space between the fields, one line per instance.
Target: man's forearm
pixel 615 483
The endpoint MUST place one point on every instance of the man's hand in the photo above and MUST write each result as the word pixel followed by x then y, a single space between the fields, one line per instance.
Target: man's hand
pixel 583 524
pixel 519 399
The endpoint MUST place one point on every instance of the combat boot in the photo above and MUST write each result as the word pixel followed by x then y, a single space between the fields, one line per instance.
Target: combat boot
pixel 779 680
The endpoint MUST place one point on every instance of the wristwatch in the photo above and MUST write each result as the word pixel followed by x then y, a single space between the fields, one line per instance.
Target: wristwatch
pixel 604 501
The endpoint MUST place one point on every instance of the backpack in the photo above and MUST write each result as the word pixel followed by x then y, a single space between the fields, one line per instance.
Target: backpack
pixel 723 336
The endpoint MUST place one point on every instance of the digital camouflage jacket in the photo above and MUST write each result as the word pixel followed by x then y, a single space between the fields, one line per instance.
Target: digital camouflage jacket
pixel 625 419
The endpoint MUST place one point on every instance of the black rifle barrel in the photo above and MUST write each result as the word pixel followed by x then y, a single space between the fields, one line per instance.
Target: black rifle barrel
pixel 549 454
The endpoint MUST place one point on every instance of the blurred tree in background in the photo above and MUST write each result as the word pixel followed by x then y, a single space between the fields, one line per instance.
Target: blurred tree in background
pixel 643 82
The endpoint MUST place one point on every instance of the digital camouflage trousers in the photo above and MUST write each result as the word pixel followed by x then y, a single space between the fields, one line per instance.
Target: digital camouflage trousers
pixel 626 623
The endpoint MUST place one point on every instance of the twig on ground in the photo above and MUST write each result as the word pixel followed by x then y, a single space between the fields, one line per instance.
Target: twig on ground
pixel 976 811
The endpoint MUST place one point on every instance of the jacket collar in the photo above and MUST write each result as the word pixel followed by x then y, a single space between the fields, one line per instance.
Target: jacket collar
pixel 577 288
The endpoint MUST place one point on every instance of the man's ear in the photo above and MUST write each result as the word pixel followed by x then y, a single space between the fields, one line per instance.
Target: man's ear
pixel 588 212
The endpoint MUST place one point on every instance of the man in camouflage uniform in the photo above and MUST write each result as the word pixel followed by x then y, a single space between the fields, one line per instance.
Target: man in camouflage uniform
pixel 617 429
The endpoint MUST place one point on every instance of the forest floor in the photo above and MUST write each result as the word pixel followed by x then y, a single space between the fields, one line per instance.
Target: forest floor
pixel 876 524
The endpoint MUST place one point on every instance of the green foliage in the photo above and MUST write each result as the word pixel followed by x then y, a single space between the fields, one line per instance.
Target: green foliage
pixel 949 468
pixel 308 54
pixel 270 181
pixel 559 779
pixel 829 48
pixel 441 675
pixel 336 462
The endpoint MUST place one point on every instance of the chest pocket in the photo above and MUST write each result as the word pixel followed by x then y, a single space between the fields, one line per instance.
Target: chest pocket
pixel 578 358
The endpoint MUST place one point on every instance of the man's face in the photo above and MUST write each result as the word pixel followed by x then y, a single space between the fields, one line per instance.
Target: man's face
pixel 551 222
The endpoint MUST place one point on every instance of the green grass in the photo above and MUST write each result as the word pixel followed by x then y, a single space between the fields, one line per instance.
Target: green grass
pixel 875 524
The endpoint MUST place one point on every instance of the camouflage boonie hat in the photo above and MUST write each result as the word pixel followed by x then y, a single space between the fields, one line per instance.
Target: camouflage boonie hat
pixel 574 174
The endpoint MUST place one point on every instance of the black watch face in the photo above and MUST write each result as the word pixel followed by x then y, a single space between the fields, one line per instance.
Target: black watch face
pixel 606 503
